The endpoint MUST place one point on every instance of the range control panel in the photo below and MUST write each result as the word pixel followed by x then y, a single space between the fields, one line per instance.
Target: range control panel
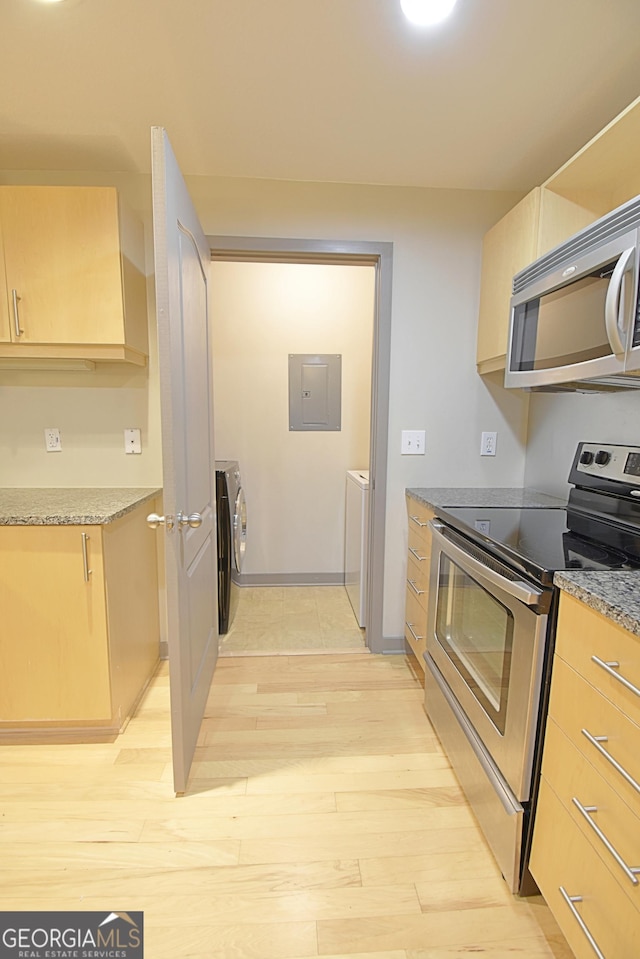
pixel 611 462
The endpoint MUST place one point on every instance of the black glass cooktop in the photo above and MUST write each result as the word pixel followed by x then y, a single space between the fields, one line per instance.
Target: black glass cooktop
pixel 541 541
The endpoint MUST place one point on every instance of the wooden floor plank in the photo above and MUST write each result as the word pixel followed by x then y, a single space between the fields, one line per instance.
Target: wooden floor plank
pixel 470 927
pixel 400 799
pixel 360 846
pixel 163 879
pixel 196 806
pixel 322 827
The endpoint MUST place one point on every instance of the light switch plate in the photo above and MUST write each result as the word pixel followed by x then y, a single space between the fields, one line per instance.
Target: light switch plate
pixel 132 441
pixel 413 442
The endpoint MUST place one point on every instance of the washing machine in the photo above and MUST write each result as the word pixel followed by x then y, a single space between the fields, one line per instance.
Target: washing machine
pixel 232 537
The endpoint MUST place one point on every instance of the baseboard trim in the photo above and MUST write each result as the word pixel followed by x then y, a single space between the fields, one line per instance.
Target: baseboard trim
pixel 393 645
pixel 288 579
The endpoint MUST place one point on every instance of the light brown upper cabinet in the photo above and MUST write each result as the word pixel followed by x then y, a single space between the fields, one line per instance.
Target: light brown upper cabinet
pixel 74 272
pixel 600 177
pixel 508 247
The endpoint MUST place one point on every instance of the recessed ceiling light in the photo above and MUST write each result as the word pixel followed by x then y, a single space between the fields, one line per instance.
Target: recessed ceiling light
pixel 425 13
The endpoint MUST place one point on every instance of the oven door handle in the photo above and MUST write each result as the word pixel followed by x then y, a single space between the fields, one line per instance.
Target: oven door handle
pixel 517 588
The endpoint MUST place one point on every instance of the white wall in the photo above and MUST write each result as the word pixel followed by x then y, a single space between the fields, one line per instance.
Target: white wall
pixel 437 241
pixel 558 422
pixel 294 481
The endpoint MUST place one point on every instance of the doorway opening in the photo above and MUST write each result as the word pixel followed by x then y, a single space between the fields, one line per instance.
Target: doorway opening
pixel 272 299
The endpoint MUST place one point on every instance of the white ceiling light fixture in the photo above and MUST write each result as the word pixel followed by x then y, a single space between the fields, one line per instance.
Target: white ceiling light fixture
pixel 426 13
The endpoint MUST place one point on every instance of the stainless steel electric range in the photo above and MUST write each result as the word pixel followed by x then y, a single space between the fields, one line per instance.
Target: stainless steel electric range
pixel 490 633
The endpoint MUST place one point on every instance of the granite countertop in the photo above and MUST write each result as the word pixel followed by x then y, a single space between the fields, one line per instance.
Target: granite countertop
pixel 491 496
pixel 68 506
pixel 615 593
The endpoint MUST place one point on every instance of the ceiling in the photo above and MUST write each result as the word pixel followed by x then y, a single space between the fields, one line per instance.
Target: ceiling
pixel 338 90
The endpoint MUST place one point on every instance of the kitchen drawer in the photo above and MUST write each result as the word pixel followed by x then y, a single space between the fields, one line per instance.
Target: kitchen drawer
pixel 415 627
pixel 576 706
pixel 418 580
pixel 561 856
pixel 419 515
pixel 572 778
pixel 584 633
pixel 420 547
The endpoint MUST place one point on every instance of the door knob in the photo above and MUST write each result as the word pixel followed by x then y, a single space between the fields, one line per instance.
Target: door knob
pixel 194 520
pixel 153 521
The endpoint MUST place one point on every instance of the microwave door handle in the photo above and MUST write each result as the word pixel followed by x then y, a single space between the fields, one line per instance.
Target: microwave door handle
pixel 518 589
pixel 614 303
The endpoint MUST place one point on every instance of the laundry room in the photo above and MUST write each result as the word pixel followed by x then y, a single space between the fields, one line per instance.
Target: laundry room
pixel 266 314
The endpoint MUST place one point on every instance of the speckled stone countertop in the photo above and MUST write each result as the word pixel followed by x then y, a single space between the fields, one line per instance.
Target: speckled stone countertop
pixel 491 496
pixel 68 507
pixel 615 594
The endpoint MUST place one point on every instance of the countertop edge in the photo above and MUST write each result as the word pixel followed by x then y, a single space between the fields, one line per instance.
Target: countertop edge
pixel 129 499
pixel 483 496
pixel 608 593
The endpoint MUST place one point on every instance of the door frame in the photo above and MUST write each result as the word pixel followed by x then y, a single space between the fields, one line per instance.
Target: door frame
pixel 348 253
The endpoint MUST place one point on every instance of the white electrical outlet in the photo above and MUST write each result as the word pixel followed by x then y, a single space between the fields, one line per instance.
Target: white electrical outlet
pixel 482 525
pixel 412 442
pixel 488 444
pixel 52 442
pixel 132 442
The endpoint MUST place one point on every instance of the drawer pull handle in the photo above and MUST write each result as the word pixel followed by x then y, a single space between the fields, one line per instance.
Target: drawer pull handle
pixel 610 668
pixel 85 557
pixel 597 742
pixel 412 584
pixel 414 552
pixel 16 314
pixel 629 871
pixel 570 901
pixel 416 519
pixel 418 639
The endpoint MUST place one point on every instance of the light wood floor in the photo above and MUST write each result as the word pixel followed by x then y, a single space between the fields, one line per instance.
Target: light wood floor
pixel 322 819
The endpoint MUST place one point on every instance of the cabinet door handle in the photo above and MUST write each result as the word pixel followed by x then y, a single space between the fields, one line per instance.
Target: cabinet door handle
pixel 414 552
pixel 16 313
pixel 570 901
pixel 610 668
pixel 418 639
pixel 597 742
pixel 416 520
pixel 412 584
pixel 85 557
pixel 586 811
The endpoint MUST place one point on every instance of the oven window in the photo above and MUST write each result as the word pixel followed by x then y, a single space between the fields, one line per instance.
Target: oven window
pixel 476 631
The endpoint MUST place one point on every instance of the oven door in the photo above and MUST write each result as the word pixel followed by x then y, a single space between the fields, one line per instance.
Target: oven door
pixel 486 634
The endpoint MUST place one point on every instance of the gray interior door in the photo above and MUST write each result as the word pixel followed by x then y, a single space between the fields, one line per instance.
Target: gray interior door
pixel 182 259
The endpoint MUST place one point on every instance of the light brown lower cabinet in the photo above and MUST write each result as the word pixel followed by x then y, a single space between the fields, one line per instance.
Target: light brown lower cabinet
pixel 585 853
pixel 80 633
pixel 418 563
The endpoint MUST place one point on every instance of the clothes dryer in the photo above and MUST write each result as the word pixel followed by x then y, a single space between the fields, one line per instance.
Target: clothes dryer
pixel 232 536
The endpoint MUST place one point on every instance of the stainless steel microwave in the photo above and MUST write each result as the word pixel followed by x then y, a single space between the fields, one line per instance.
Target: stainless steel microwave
pixel 575 312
